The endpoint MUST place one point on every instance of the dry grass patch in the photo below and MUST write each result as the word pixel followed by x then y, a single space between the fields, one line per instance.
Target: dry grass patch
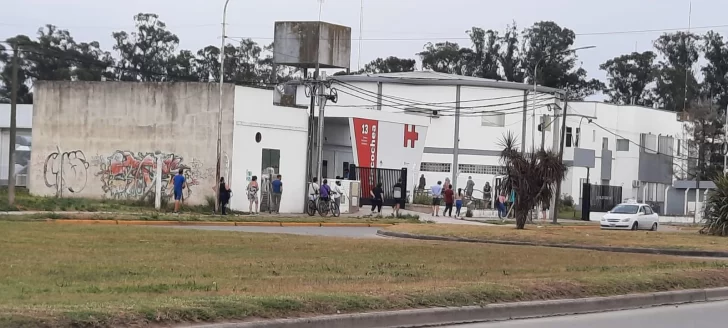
pixel 98 276
pixel 575 235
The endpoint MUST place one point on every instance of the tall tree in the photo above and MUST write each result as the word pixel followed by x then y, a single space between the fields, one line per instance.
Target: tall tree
pixel 145 52
pixel 208 64
pixel 92 64
pixel 482 61
pixel 715 71
pixel 628 76
pixel 25 96
pixel 390 65
pixel 675 73
pixel 443 57
pixel 547 44
pixel 509 56
pixel 182 67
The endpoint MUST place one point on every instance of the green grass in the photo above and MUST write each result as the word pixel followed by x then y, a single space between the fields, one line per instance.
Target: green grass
pixel 103 276
pixel 575 235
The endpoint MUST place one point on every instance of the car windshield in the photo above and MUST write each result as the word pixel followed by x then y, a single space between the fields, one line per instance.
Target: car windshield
pixel 626 209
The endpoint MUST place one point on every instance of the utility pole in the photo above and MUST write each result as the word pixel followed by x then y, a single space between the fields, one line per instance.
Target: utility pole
pixel 320 150
pixel 456 140
pixel 557 196
pixel 524 122
pixel 543 132
pixel 13 127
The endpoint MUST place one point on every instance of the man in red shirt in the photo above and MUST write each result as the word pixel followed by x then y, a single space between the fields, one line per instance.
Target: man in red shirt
pixel 449 200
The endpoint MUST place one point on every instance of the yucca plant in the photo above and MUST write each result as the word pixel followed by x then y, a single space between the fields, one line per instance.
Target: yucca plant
pixel 716 209
pixel 533 176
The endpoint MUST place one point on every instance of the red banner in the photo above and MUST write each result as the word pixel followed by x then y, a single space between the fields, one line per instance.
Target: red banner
pixel 366 139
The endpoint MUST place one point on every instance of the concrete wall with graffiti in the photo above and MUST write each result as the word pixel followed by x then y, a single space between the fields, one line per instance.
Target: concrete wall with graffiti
pixel 107 139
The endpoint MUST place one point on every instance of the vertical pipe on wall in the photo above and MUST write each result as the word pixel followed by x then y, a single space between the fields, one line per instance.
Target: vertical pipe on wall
pixel 456 140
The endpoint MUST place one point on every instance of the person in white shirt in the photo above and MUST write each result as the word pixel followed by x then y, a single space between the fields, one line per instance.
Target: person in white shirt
pixel 337 193
pixel 313 189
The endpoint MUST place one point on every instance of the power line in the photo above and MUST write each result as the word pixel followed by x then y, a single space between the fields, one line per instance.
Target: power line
pixel 468 38
pixel 413 103
pixel 501 111
pixel 635 143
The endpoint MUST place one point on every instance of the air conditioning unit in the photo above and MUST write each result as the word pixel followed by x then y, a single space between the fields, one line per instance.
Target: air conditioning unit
pixel 636 183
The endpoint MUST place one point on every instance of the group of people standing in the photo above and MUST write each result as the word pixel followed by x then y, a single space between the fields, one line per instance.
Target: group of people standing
pixel 251 191
pixel 446 192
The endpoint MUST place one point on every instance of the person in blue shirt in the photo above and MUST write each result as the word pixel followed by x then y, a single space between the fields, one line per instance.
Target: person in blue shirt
pixel 179 184
pixel 325 190
pixel 277 192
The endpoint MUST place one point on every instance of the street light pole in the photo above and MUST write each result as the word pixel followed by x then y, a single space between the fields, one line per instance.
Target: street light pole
pixel 219 114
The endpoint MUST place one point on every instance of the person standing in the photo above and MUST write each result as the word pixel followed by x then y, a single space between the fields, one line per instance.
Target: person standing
pixel 224 193
pixel 436 192
pixel 502 206
pixel 469 187
pixel 337 193
pixel 377 198
pixel 179 184
pixel 277 189
pixel 449 201
pixel 397 193
pixel 458 202
pixel 447 184
pixel 487 194
pixel 313 189
pixel 422 184
pixel 253 195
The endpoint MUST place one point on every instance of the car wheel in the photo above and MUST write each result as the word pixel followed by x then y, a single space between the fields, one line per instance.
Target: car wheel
pixel 635 226
pixel 654 227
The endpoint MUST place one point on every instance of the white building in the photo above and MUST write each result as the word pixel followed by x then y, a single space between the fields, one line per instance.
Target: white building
pixel 386 121
pixel 24 123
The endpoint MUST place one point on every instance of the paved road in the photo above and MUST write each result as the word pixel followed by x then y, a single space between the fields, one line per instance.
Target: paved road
pixel 706 315
pixel 348 232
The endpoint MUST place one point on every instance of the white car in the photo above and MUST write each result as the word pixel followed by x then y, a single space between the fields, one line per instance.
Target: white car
pixel 631 216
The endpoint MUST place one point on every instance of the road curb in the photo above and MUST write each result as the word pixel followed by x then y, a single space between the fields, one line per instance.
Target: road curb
pixel 220 223
pixel 637 250
pixel 491 312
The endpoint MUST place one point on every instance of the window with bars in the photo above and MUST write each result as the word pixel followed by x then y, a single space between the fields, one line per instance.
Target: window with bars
pixel 481 169
pixel 435 167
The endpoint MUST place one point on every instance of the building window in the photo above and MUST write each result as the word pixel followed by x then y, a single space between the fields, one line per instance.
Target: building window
pixel 481 169
pixel 569 137
pixel 664 145
pixel 605 143
pixel 435 167
pixel 648 143
pixel 622 145
pixel 493 119
pixel 594 135
pixel 679 145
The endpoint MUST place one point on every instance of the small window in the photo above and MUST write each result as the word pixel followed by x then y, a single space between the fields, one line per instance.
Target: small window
pixel 594 135
pixel 569 137
pixel 679 146
pixel 622 145
pixel 493 119
pixel 577 137
pixel 605 143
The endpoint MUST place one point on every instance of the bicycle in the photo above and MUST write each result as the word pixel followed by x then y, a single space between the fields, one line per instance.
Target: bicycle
pixel 329 206
pixel 312 206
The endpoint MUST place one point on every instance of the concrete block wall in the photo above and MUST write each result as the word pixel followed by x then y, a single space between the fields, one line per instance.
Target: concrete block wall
pixel 100 139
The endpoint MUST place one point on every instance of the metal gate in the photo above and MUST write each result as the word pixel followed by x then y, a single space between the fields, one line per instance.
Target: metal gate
pixel 370 177
pixel 602 198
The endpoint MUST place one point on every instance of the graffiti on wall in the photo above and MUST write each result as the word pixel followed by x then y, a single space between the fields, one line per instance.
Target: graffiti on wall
pixel 66 171
pixel 129 175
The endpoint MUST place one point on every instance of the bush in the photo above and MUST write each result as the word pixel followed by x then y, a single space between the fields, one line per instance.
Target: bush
pixel 422 198
pixel 567 201
pixel 716 209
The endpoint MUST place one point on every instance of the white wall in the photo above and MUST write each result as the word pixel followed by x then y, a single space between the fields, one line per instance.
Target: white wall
pixel 283 128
